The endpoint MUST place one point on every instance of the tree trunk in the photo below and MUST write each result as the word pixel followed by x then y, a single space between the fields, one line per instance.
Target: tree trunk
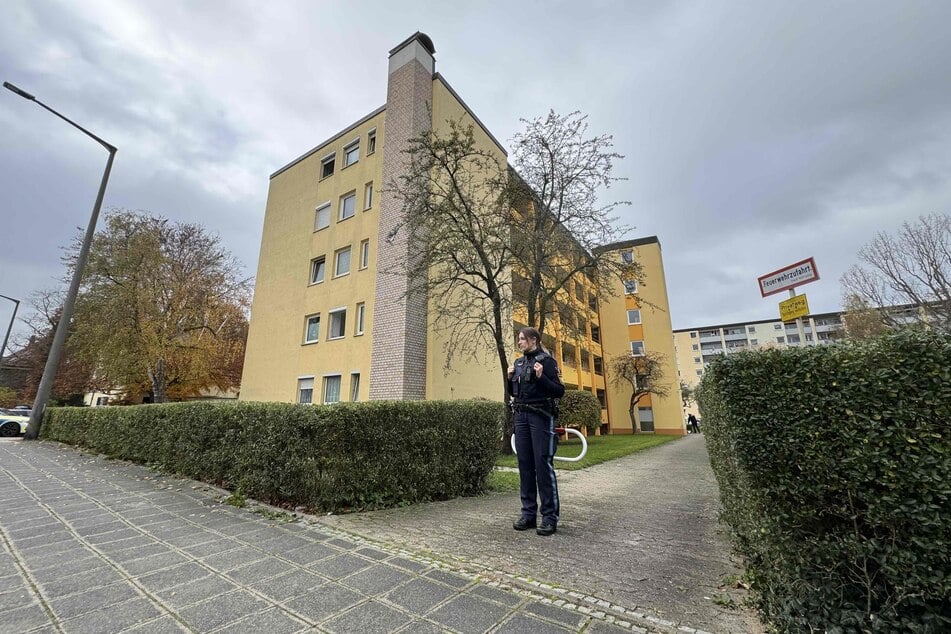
pixel 633 413
pixel 158 382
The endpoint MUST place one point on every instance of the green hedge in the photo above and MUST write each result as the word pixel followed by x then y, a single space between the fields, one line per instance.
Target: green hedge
pixel 834 467
pixel 328 458
pixel 581 408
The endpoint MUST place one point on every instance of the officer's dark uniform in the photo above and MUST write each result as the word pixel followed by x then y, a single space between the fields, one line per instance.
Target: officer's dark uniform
pixel 535 437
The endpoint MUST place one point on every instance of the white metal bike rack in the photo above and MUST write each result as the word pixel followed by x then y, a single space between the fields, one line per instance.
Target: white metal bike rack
pixel 584 444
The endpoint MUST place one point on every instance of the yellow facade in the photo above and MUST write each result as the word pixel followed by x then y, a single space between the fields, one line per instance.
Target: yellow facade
pixel 297 350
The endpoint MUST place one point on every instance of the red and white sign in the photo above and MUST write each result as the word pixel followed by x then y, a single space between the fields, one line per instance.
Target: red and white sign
pixel 789 277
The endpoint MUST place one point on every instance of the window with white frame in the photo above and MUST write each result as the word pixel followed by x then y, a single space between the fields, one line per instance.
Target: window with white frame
pixel 322 217
pixel 338 324
pixel 637 348
pixel 630 287
pixel 693 335
pixel 697 360
pixel 645 415
pixel 633 317
pixel 327 165
pixel 312 328
pixel 367 196
pixel 348 205
pixel 364 254
pixel 332 389
pixel 351 153
pixel 371 141
pixel 354 387
pixel 342 262
pixel 318 267
pixel 627 257
pixel 305 390
pixel 361 316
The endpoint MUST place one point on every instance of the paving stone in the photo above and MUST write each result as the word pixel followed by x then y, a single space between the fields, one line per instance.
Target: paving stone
pixel 196 591
pixel 601 627
pixel 324 601
pixel 309 554
pixel 232 559
pixel 373 553
pixel 419 595
pixel 469 614
pixel 524 624
pixel 144 565
pixel 83 602
pixel 79 583
pixel 271 621
pixel 112 619
pixel 171 577
pixel 221 610
pixel 260 570
pixel 367 618
pixel 23 619
pixel 290 585
pixel 339 566
pixel 376 579
pixel 555 613
pixel 495 594
pixel 448 578
pixel 163 625
pixel 342 543
pixel 18 597
pixel 408 564
pixel 205 549
pixel 139 552
pixel 84 562
pixel 422 627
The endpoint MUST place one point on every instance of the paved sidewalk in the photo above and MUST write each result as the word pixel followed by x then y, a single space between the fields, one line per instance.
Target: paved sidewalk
pixel 93 545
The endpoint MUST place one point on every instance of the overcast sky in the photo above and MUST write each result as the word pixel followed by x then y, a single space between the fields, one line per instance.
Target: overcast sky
pixel 755 134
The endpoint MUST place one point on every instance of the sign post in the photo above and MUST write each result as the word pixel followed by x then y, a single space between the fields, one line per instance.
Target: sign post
pixel 788 278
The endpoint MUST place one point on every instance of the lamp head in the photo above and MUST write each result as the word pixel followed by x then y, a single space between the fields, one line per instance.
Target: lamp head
pixel 18 91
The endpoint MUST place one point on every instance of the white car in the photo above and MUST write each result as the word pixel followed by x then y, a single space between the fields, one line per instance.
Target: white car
pixel 13 422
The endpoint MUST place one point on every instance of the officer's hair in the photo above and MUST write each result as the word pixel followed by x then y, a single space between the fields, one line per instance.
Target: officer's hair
pixel 531 333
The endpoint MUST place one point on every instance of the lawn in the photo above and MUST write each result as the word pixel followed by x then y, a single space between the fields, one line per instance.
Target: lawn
pixel 600 449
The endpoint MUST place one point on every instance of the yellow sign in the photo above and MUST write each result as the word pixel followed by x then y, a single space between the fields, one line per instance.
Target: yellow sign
pixel 793 308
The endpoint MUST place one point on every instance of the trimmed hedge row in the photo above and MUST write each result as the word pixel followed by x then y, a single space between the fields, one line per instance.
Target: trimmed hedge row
pixel 579 407
pixel 834 467
pixel 327 458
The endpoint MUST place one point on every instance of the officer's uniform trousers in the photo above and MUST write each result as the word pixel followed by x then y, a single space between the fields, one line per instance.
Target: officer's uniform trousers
pixel 535 444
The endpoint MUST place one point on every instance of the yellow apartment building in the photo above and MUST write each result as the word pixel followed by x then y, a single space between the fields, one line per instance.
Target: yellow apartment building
pixel 332 319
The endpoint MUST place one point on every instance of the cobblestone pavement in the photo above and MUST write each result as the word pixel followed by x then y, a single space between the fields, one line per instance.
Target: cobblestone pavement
pixel 639 532
pixel 93 545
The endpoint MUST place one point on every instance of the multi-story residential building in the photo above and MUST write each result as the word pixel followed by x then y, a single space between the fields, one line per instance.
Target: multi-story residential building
pixel 332 319
pixel 696 347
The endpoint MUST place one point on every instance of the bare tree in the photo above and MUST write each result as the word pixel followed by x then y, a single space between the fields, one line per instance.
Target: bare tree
pixel 644 374
pixel 913 267
pixel 560 174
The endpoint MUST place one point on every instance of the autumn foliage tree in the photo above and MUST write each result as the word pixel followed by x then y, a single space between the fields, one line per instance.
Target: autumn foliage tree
pixel 643 374
pixel 163 307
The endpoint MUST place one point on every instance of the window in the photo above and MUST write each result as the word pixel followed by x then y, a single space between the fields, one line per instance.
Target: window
pixel 630 287
pixel 595 333
pixel 364 254
pixel 338 323
pixel 752 328
pixel 780 339
pixel 699 372
pixel 637 348
pixel 317 268
pixel 322 217
pixel 697 360
pixel 598 365
pixel 332 389
pixel 361 313
pixel 627 257
pixel 367 196
pixel 327 166
pixel 342 262
pixel 305 391
pixel 351 153
pixel 646 417
pixel 371 141
pixel 693 335
pixel 312 330
pixel 347 206
pixel 695 347
pixel 753 342
pixel 102 401
pixel 633 317
pixel 354 387
pixel 777 326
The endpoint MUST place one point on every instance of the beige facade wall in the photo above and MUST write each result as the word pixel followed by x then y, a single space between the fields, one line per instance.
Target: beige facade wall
pixel 277 355
pixel 655 330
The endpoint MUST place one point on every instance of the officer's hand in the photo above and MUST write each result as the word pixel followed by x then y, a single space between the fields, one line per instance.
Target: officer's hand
pixel 538 369
pixel 511 371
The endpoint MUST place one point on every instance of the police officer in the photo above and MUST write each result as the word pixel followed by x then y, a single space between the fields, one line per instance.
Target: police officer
pixel 535 383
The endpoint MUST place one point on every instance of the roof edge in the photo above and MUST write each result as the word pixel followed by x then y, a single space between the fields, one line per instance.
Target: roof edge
pixel 469 110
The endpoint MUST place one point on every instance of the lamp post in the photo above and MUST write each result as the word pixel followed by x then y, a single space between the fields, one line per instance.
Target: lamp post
pixel 59 339
pixel 16 305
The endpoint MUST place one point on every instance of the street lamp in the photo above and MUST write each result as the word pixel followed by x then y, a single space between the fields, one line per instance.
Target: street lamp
pixel 56 350
pixel 16 305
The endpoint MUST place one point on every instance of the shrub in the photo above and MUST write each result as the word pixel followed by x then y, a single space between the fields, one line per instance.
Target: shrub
pixel 834 465
pixel 8 397
pixel 580 408
pixel 326 457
